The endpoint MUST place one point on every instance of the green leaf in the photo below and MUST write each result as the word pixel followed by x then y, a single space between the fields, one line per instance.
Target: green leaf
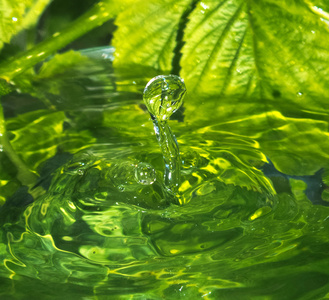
pixel 36 136
pixel 18 15
pixel 261 49
pixel 148 37
pixel 66 80
pixel 64 64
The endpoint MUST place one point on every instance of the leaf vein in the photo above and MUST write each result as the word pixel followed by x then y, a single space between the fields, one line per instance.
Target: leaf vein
pixel 232 65
pixel 220 40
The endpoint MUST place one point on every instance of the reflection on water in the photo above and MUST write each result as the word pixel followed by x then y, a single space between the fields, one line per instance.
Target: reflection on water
pixel 250 228
pixel 228 241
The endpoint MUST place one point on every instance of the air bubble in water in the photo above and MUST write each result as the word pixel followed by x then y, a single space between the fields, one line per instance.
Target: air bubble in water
pixel 163 95
pixel 145 174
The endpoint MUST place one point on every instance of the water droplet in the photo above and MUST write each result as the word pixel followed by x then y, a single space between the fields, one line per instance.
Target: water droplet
pixel 14 19
pixel 324 20
pixel 205 6
pixel 318 8
pixel 121 188
pixel 163 95
pixel 299 94
pixel 145 174
pixel 74 170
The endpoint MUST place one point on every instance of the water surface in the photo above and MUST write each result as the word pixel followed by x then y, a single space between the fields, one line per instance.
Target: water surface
pixel 255 220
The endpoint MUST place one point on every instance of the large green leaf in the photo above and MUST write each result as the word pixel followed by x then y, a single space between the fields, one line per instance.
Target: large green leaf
pixel 18 15
pixel 148 37
pixel 261 49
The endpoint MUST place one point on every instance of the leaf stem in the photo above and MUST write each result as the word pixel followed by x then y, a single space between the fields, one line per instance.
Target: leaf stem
pixel 96 16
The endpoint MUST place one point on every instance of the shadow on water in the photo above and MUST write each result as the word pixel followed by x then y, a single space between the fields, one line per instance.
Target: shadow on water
pixel 315 184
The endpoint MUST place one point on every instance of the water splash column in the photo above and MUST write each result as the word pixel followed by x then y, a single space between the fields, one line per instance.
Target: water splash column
pixel 163 96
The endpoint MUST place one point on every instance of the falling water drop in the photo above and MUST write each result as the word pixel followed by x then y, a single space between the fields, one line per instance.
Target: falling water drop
pixel 163 95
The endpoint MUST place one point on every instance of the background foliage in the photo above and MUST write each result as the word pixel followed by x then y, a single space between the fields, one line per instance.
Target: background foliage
pixel 259 67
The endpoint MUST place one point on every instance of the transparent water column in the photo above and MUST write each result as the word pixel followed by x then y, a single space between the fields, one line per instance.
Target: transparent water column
pixel 163 96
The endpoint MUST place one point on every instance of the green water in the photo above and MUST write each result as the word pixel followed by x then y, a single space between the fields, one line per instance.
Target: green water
pixel 104 228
